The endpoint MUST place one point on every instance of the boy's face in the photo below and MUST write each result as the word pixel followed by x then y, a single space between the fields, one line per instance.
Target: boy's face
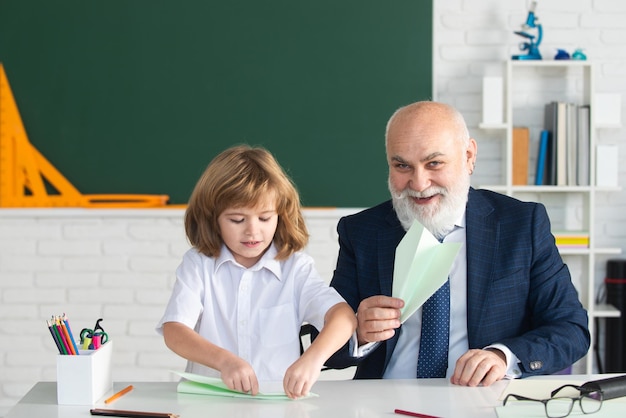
pixel 249 231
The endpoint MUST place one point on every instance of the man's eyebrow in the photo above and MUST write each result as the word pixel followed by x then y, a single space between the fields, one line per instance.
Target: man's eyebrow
pixel 429 157
pixel 432 156
pixel 398 159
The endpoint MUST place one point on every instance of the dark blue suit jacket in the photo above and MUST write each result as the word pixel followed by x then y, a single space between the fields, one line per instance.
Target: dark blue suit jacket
pixel 519 292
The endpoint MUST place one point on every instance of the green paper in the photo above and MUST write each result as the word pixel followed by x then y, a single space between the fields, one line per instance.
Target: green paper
pixel 421 266
pixel 214 386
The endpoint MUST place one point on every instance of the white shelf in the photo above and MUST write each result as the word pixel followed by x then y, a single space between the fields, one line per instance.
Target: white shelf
pixel 609 126
pixel 548 189
pixel 550 63
pixel 570 81
pixel 605 311
pixel 484 125
pixel 587 251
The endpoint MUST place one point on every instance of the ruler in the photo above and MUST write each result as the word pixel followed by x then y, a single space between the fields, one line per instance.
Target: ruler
pixel 28 179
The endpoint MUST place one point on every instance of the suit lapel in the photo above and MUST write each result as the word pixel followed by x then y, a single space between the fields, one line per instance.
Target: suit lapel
pixel 482 241
pixel 388 240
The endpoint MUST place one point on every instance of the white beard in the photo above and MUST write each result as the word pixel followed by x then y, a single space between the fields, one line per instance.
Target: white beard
pixel 438 218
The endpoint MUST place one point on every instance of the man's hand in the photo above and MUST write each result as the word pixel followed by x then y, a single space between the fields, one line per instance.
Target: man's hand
pixel 378 317
pixel 479 367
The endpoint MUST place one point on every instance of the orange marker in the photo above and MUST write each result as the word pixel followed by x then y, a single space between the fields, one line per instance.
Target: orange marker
pixel 120 393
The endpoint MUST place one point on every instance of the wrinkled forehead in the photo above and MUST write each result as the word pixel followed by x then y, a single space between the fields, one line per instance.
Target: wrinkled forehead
pixel 426 119
pixel 415 139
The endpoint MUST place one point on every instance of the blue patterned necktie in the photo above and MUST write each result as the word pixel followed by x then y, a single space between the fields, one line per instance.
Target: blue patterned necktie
pixel 433 355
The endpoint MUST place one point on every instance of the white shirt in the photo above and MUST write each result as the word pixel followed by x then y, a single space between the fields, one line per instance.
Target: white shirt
pixel 403 362
pixel 255 313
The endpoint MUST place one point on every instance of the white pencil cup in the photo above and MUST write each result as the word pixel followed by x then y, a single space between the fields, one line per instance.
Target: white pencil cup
pixel 85 378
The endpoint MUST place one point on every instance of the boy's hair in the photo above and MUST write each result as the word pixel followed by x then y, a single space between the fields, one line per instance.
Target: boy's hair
pixel 238 177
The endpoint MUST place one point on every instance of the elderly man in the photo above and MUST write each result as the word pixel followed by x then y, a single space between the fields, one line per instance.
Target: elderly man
pixel 509 308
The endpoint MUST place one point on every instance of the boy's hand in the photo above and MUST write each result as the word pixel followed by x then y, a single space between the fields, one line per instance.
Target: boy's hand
pixel 239 375
pixel 300 377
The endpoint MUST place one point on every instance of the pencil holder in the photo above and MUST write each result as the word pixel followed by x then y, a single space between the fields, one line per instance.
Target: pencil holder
pixel 85 378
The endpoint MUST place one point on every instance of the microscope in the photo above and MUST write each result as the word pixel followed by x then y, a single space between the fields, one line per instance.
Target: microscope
pixel 532 42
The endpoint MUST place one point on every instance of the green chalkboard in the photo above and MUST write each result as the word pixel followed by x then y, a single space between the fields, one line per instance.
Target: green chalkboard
pixel 137 96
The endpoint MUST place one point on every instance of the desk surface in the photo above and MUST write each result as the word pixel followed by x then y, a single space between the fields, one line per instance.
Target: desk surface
pixel 351 398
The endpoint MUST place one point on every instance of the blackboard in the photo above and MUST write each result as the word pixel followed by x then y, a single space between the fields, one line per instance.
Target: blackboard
pixel 137 96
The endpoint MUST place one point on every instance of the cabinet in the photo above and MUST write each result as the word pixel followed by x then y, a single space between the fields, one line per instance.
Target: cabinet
pixel 529 86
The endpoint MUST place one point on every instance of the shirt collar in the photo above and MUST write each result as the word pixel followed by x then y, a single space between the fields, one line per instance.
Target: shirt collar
pixel 268 261
pixel 460 223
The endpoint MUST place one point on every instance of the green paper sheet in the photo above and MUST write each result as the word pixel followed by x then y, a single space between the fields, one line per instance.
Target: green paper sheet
pixel 214 386
pixel 421 266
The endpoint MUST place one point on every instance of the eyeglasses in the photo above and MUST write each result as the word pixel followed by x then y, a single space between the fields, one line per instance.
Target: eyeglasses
pixel 590 401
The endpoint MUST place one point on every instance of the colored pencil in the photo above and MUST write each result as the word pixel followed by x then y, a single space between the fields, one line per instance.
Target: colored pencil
pixel 72 340
pixel 130 414
pixel 59 339
pixel 120 393
pixel 62 335
pixel 68 339
pixel 413 414
pixel 54 337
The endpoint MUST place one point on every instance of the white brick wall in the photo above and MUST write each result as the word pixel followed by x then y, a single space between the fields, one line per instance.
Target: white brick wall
pixel 120 265
pixel 472 38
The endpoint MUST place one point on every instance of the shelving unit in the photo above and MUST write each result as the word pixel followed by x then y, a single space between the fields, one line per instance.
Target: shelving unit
pixel 529 86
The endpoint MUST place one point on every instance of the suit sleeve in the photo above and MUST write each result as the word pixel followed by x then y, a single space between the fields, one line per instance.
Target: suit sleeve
pixel 556 325
pixel 345 282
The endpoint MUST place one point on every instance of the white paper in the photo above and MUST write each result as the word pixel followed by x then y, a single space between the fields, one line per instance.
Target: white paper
pixel 421 266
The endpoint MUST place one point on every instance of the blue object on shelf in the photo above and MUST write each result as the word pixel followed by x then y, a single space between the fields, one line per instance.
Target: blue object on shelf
pixel 532 44
pixel 579 55
pixel 540 174
pixel 561 54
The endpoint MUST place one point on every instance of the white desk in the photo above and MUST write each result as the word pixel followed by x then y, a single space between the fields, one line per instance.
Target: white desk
pixel 345 399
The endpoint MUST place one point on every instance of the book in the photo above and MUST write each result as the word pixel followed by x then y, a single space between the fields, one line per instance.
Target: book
pixel 556 123
pixel 571 136
pixel 520 156
pixel 540 173
pixel 561 144
pixel 550 125
pixel 583 147
pixel 571 239
pixel 607 165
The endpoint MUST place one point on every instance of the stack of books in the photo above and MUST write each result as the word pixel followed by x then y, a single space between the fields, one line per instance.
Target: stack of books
pixel 563 158
pixel 571 239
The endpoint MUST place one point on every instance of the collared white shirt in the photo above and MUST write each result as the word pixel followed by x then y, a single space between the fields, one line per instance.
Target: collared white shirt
pixel 255 313
pixel 403 362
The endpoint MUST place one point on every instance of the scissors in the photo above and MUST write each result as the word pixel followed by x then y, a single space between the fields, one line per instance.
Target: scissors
pixel 92 339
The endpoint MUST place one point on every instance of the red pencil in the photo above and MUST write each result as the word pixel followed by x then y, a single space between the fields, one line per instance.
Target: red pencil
pixel 413 414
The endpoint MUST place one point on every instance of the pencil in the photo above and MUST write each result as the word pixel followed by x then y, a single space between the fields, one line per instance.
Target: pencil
pixel 131 414
pixel 69 330
pixel 413 414
pixel 58 335
pixel 66 335
pixel 54 337
pixel 120 393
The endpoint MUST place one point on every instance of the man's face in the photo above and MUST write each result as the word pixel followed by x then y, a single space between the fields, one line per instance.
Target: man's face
pixel 429 173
